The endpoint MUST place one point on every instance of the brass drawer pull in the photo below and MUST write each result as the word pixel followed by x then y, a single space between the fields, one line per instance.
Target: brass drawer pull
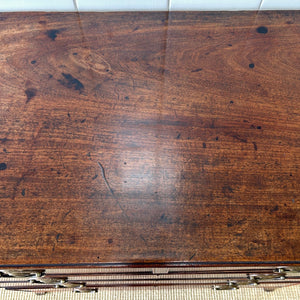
pixel 279 273
pixel 21 273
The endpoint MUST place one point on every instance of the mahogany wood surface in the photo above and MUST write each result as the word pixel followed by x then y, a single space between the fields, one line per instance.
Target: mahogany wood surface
pixel 149 138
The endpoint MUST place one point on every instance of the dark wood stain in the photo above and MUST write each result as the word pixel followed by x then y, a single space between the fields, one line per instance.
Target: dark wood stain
pixel 3 166
pixel 52 33
pixel 153 141
pixel 262 29
pixel 197 70
pixel 30 93
pixel 71 82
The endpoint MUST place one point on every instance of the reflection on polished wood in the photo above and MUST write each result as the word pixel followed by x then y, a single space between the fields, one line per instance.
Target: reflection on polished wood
pixel 149 137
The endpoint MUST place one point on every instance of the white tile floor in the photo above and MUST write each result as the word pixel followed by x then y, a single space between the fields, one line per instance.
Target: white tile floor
pixel 145 5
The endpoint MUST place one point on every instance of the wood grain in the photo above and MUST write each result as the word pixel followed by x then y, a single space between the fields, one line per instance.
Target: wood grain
pixel 149 137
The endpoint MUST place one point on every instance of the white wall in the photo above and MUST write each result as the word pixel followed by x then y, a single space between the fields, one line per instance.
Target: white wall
pixel 145 5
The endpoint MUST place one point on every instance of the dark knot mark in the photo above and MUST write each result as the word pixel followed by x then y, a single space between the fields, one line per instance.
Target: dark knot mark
pixel 275 208
pixel 257 127
pixel 255 146
pixel 229 224
pixel 251 66
pixel 3 166
pixel 262 29
pixel 196 70
pixel 71 82
pixel 30 93
pixel 227 189
pixel 52 34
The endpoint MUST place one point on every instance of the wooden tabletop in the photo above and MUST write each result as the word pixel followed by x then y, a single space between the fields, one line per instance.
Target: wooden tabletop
pixel 149 138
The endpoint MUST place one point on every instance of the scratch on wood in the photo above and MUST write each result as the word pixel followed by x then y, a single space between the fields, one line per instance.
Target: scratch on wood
pixel 143 239
pixel 239 138
pixel 110 189
pixel 57 236
pixel 17 186
pixel 104 178
pixel 255 146
pixel 192 256
pixel 65 215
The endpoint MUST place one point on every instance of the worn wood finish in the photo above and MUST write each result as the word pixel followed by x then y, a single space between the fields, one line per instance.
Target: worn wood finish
pixel 149 137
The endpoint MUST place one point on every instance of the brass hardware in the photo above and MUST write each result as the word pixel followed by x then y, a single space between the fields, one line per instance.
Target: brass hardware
pixel 86 290
pixel 294 269
pixel 251 281
pixel 57 282
pixel 48 280
pixel 260 277
pixel 61 281
pixel 291 269
pixel 279 273
pixel 73 285
pixel 40 277
pixel 234 285
pixel 21 273
pixel 160 271
pixel 231 285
